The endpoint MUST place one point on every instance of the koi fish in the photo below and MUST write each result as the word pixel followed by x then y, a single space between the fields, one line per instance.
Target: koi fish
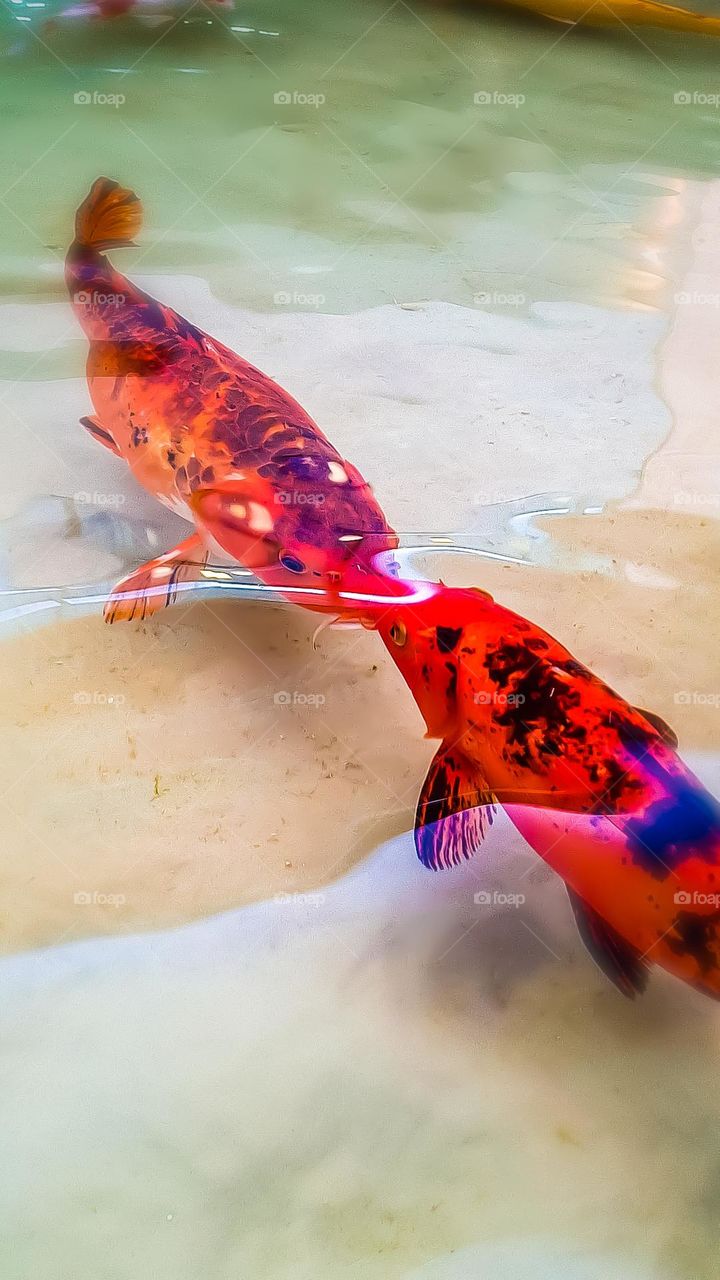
pixel 213 438
pixel 154 12
pixel 622 13
pixel 594 784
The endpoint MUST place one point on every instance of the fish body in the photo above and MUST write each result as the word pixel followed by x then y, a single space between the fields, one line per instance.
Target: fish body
pixel 627 13
pixel 212 437
pixel 621 13
pixel 594 784
pixel 150 11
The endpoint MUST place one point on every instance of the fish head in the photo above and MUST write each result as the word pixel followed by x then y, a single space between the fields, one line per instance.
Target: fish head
pixel 433 635
pixel 304 544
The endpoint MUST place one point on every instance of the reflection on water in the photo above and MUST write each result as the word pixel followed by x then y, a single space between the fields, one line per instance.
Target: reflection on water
pixel 397 186
pixel 354 1072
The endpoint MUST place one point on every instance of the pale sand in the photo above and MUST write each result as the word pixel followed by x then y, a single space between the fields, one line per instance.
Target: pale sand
pixel 153 761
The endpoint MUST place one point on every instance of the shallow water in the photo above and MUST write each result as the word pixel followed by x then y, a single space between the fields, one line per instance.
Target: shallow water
pixel 307 1057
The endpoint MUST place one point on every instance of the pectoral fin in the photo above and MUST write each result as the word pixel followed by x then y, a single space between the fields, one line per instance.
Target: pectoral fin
pixel 619 960
pixel 99 432
pixel 158 583
pixel 454 811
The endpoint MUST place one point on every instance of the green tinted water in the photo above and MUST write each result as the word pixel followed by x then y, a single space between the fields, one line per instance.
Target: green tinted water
pixel 397 185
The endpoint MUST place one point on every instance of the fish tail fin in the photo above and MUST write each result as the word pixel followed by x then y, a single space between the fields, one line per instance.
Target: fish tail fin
pixel 109 217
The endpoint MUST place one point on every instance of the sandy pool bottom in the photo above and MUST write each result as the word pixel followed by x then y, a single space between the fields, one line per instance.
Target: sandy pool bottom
pixel 386 1078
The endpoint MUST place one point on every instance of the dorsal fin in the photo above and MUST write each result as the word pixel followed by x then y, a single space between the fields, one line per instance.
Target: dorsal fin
pixel 667 733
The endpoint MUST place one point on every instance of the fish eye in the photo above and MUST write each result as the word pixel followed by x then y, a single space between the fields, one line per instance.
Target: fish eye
pixel 291 562
pixel 398 633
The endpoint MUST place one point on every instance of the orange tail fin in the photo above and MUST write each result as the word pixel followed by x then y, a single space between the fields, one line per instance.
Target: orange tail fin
pixel 109 217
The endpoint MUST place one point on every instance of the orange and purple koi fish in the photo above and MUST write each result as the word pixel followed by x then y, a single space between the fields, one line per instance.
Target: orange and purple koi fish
pixel 593 783
pixel 212 438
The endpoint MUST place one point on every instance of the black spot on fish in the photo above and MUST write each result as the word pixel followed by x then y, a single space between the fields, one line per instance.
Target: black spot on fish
pixel 615 783
pixel 574 668
pixel 631 734
pixel 447 638
pixel 452 682
pixel 696 936
pixel 537 717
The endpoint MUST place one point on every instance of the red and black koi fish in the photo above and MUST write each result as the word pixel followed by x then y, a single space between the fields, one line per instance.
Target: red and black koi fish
pixel 594 784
